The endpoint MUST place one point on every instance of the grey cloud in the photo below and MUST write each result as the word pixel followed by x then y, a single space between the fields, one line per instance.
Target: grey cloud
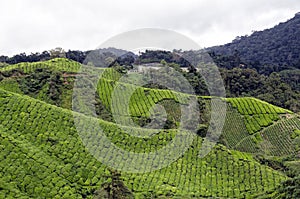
pixel 33 25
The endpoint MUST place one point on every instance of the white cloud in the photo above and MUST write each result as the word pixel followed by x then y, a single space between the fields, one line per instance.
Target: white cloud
pixel 33 25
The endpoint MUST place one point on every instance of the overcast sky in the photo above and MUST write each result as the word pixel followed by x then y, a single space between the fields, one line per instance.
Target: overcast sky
pixel 37 25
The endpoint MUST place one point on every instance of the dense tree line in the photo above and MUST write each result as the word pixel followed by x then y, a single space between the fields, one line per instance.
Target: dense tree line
pixel 275 48
pixel 240 78
pixel 33 57
pixel 248 82
pixel 109 56
pixel 236 61
pixel 276 88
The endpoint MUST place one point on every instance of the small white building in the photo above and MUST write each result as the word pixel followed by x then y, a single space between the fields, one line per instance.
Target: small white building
pixel 151 66
pixel 145 67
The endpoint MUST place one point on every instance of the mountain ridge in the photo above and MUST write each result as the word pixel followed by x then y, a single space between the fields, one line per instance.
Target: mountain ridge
pixel 268 47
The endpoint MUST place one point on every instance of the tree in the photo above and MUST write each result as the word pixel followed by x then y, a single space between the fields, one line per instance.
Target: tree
pixel 290 188
pixel 57 53
pixel 113 188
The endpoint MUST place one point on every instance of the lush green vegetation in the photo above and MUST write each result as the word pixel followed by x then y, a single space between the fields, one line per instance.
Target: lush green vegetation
pixel 44 155
pixel 260 128
pixel 280 89
pixel 57 64
pixel 257 114
pixel 254 115
pixel 57 151
pixel 10 84
pixel 272 49
pixel 235 134
pixel 275 143
pixel 141 100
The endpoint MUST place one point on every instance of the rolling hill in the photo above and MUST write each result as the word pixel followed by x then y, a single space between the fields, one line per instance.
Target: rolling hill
pixel 44 155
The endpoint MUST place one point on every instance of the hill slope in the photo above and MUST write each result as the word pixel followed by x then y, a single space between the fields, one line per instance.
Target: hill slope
pixel 45 156
pixel 41 142
pixel 250 116
pixel 278 46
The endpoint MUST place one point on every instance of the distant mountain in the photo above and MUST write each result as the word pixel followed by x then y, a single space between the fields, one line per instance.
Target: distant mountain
pixel 278 46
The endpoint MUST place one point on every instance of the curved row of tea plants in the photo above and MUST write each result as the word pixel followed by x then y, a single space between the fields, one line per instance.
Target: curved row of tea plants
pixel 60 64
pixel 257 114
pixel 49 138
pixel 279 138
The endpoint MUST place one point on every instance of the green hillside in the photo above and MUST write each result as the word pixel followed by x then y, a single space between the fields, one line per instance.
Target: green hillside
pixel 256 114
pixel 251 116
pixel 44 156
pixel 41 144
pixel 56 64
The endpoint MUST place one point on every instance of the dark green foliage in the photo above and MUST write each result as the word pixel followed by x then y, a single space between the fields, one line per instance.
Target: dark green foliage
pixel 202 131
pixel 13 72
pixel 197 82
pixel 102 110
pixel 274 163
pixel 156 56
pixel 275 88
pixel 265 52
pixel 113 188
pixel 33 57
pixel 36 81
pixel 290 189
pixel 275 48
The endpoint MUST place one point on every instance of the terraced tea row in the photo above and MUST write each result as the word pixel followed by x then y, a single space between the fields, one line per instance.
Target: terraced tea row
pixel 48 135
pixel 255 114
pixel 279 139
pixel 258 114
